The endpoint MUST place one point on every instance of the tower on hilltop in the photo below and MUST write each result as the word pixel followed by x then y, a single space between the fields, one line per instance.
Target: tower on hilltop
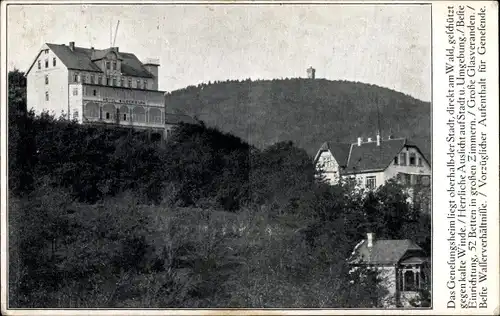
pixel 311 73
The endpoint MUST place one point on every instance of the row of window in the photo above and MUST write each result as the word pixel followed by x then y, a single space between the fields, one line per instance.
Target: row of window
pixel 413 179
pixel 413 160
pixel 111 65
pixel 111 81
pixel 123 114
pixel 54 63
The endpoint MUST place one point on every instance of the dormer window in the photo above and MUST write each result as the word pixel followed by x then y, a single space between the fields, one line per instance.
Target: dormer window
pixel 114 66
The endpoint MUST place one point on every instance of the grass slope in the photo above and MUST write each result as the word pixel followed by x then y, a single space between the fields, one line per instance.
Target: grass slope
pixel 308 112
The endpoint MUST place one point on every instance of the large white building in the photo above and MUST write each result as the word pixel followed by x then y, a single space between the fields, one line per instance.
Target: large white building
pixel 98 86
pixel 373 162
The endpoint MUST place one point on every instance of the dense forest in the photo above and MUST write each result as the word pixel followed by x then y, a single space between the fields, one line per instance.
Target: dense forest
pixel 107 217
pixel 308 112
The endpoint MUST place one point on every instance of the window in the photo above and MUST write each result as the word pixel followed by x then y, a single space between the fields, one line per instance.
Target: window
pixel 92 79
pixel 413 179
pixel 410 281
pixel 39 64
pixel 130 82
pixel 138 84
pixel 75 91
pixel 122 82
pixel 107 65
pixel 46 51
pixel 54 61
pixel 114 81
pixel 396 160
pixel 425 180
pixel 402 159
pixel 413 159
pixel 46 79
pixel 114 66
pixel 99 80
pixel 46 95
pixel 370 182
pixel 87 79
pixel 75 77
pixel 94 93
pixel 124 116
pixel 47 63
pixel 108 81
pixel 419 162
pixel 108 115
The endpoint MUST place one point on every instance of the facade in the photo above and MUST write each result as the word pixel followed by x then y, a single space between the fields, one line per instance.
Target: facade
pixel 373 162
pixel 402 266
pixel 96 86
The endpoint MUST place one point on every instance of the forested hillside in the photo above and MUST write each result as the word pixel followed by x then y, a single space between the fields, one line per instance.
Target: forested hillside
pixel 107 217
pixel 307 112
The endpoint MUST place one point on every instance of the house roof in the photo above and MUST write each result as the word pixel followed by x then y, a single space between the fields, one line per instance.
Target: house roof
pixel 83 59
pixel 386 252
pixel 178 118
pixel 366 157
pixel 369 156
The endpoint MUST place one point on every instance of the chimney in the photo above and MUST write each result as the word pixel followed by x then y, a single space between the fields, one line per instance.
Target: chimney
pixel 378 139
pixel 369 139
pixel 72 46
pixel 369 238
pixel 360 139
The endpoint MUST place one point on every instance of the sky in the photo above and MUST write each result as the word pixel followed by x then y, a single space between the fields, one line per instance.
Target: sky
pixel 386 45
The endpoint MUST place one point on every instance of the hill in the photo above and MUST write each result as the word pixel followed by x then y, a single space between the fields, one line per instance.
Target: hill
pixel 307 112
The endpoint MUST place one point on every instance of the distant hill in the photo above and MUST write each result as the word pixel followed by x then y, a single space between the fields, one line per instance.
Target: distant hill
pixel 306 111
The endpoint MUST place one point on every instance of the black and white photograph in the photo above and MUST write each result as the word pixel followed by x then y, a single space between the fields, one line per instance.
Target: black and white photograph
pixel 219 156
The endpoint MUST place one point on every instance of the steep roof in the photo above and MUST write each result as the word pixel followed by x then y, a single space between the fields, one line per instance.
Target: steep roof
pixel 83 59
pixel 178 118
pixel 386 252
pixel 369 156
pixel 340 151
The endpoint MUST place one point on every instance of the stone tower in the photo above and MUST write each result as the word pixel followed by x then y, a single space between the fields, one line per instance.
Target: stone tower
pixel 311 73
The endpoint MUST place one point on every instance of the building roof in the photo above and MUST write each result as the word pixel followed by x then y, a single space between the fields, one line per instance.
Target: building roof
pixel 84 59
pixel 340 151
pixel 386 252
pixel 366 157
pixel 174 119
pixel 369 156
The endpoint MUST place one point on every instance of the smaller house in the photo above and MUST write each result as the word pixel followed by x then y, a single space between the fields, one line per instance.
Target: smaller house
pixel 403 267
pixel 373 162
